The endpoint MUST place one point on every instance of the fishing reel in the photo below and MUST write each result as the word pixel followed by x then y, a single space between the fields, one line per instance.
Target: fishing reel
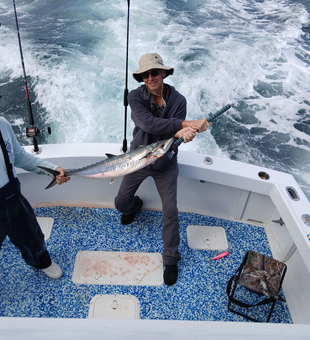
pixel 33 131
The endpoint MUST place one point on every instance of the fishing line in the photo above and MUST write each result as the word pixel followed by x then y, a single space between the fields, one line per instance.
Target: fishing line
pixel 126 85
pixel 32 131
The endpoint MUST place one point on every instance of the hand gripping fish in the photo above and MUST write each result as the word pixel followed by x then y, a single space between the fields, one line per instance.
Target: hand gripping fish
pixel 116 166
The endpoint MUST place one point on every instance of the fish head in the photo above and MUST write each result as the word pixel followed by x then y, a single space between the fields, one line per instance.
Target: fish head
pixel 162 147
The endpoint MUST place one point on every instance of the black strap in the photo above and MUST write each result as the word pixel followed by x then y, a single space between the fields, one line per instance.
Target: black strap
pixel 9 167
pixel 242 304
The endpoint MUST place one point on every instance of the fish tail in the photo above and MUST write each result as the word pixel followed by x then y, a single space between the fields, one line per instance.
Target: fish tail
pixel 53 172
pixel 53 182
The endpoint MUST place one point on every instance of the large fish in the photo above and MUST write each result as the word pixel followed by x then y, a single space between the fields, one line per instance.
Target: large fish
pixel 116 166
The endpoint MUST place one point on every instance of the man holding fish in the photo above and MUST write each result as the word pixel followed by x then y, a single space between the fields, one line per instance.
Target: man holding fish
pixel 159 113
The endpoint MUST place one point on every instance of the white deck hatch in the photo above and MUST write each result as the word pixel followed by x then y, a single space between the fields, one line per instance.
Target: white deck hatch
pixel 118 268
pixel 206 237
pixel 114 307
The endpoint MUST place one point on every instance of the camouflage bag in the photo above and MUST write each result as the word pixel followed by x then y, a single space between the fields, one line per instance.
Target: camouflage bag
pixel 262 274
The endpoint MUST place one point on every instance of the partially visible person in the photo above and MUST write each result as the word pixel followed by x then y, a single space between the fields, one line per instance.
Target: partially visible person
pixel 17 219
pixel 159 113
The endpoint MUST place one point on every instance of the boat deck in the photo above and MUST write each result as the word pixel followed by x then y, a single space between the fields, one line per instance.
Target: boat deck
pixel 199 294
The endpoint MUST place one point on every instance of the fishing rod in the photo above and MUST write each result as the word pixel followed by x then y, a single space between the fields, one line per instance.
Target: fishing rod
pixel 126 86
pixel 32 131
pixel 212 117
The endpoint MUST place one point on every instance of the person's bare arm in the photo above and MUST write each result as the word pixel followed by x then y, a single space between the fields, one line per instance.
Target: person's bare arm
pixel 199 125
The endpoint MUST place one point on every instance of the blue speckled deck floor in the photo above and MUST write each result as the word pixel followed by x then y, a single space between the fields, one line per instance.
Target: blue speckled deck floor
pixel 199 294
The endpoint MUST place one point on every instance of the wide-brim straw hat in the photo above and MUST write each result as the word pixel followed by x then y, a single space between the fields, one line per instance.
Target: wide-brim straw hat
pixel 151 61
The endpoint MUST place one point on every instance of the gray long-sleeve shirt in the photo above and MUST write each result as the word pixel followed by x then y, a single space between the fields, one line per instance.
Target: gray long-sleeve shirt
pixel 153 123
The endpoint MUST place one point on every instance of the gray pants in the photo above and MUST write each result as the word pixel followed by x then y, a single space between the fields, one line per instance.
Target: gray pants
pixel 166 183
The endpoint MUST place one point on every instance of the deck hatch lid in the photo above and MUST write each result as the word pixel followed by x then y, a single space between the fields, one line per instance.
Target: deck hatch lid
pixel 206 237
pixel 118 268
pixel 114 307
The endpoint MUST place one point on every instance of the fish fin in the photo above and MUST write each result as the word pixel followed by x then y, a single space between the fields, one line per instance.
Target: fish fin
pixel 110 155
pixel 112 180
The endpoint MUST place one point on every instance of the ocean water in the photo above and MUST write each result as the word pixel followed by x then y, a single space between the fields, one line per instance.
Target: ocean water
pixel 252 54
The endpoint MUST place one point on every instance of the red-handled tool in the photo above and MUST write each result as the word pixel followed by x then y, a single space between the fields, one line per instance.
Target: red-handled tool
pixel 220 255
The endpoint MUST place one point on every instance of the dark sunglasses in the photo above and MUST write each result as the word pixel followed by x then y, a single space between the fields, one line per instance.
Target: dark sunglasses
pixel 153 73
